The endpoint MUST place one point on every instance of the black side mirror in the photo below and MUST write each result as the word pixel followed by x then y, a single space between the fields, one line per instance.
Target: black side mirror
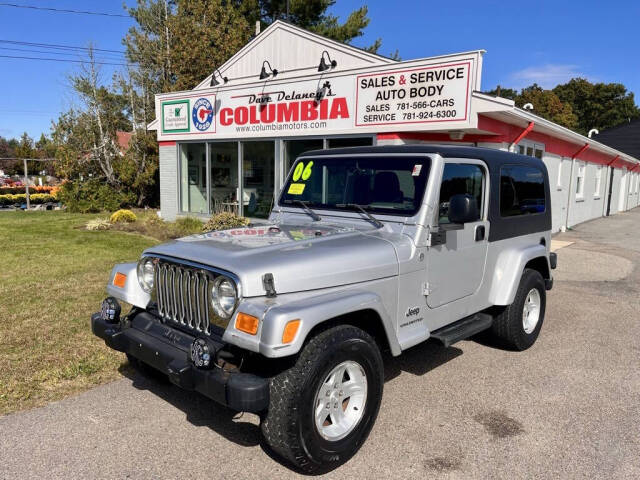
pixel 463 208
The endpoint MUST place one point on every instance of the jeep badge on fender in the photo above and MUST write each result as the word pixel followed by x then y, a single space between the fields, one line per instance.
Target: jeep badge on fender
pixel 367 249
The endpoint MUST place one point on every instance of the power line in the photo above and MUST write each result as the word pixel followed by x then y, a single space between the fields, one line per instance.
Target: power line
pixel 61 60
pixel 60 10
pixel 58 46
pixel 66 53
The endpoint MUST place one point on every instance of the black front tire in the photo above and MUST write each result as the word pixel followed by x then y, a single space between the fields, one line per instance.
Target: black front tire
pixel 508 324
pixel 289 426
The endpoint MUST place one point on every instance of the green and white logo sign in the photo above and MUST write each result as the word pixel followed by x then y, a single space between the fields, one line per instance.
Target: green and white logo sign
pixel 175 116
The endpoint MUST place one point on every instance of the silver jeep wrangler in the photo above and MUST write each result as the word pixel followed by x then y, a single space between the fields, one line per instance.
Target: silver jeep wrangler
pixel 368 249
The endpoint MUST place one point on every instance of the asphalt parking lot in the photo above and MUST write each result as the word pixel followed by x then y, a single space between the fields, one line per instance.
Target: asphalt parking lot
pixel 567 408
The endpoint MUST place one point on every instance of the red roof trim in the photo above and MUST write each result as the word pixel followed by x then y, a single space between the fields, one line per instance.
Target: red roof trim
pixel 505 133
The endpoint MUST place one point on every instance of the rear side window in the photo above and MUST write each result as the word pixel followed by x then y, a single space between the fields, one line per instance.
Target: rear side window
pixel 521 191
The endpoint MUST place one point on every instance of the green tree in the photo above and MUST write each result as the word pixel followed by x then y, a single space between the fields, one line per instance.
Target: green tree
pixel 204 35
pixel 509 93
pixel 8 150
pixel 148 45
pixel 547 105
pixel 311 15
pixel 85 137
pixel 598 105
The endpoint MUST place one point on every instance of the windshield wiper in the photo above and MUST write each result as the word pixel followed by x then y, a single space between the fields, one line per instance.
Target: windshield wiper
pixel 306 208
pixel 377 223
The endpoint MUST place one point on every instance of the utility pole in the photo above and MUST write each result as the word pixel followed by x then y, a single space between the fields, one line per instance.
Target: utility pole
pixel 26 183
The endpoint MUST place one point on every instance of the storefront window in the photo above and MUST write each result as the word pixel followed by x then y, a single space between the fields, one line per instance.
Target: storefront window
pixel 193 181
pixel 293 148
pixel 258 161
pixel 350 142
pixel 223 158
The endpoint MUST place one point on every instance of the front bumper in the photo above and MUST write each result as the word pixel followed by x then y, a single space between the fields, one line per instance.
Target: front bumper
pixel 167 350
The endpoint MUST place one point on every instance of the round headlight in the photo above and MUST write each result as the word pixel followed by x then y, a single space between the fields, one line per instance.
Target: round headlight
pixel 146 274
pixel 224 296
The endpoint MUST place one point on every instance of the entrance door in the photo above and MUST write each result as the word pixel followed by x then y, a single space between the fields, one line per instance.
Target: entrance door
pixel 223 194
pixel 193 173
pixel 623 191
pixel 258 178
pixel 455 269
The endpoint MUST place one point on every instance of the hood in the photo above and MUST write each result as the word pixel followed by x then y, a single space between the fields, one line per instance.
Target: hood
pixel 300 257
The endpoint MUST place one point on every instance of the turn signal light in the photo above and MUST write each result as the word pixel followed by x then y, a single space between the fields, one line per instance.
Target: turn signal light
pixel 119 280
pixel 290 331
pixel 247 323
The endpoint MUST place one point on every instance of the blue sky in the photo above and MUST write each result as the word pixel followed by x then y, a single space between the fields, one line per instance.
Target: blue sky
pixel 547 42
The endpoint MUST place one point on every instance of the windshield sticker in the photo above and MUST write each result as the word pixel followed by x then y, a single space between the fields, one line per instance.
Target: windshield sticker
pixel 302 172
pixel 416 170
pixel 296 188
pixel 306 173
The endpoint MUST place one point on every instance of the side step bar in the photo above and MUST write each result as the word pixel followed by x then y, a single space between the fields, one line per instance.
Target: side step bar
pixel 465 328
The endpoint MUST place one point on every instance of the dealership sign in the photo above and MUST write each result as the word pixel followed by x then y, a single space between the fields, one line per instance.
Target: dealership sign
pixel 407 96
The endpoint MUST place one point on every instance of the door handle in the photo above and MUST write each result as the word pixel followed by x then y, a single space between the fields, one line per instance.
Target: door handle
pixel 479 233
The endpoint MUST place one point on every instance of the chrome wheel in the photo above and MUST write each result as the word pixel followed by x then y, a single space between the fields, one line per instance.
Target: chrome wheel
pixel 531 310
pixel 340 401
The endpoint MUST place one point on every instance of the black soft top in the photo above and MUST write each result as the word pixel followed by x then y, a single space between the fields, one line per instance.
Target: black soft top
pixel 501 228
pixel 492 157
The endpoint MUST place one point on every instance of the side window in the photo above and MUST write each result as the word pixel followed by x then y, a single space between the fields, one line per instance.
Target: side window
pixel 521 190
pixel 460 178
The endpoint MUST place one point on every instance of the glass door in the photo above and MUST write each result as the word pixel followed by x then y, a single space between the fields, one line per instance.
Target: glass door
pixel 193 178
pixel 258 178
pixel 223 190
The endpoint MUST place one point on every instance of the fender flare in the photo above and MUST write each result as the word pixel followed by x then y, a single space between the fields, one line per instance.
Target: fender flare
pixel 508 271
pixel 313 311
pixel 131 293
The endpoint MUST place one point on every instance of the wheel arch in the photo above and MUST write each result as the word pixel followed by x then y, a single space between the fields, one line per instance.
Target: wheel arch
pixel 367 320
pixel 362 309
pixel 508 271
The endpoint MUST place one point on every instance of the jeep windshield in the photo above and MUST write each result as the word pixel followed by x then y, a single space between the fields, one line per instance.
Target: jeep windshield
pixel 392 185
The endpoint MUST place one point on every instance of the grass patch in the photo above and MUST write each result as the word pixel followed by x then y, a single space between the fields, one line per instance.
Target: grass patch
pixel 53 276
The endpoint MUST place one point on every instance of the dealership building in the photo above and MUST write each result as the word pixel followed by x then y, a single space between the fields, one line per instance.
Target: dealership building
pixel 228 144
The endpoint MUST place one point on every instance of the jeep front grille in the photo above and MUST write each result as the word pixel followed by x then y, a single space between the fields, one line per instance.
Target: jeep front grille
pixel 183 296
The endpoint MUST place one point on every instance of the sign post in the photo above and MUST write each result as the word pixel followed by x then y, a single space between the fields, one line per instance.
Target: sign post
pixel 26 183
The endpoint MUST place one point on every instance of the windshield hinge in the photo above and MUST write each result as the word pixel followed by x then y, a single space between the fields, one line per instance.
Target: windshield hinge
pixel 269 285
pixel 426 288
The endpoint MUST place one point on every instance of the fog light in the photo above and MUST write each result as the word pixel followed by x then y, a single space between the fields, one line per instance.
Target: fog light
pixel 110 310
pixel 201 353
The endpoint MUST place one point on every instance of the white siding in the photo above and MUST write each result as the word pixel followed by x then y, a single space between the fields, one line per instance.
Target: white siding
pixel 589 206
pixel 168 182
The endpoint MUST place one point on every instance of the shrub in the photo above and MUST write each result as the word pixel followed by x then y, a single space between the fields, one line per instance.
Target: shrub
pixel 224 220
pixel 98 224
pixel 35 199
pixel 185 226
pixel 39 198
pixel 92 196
pixel 17 189
pixel 123 216
pixel 7 200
